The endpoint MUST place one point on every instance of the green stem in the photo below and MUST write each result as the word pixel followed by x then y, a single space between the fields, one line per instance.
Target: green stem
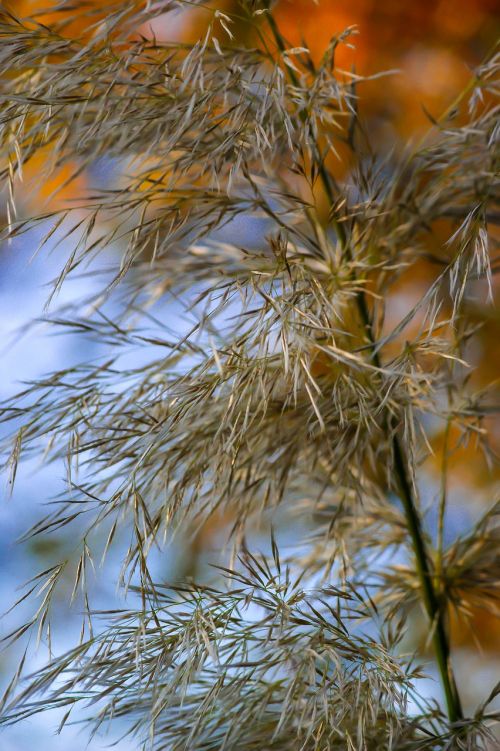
pixel 435 609
pixel 431 601
pixel 433 606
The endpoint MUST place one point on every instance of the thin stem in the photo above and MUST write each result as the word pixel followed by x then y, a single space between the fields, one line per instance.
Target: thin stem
pixel 431 601
pixel 433 606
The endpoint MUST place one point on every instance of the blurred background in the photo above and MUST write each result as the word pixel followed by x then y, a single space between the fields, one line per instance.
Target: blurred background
pixel 432 46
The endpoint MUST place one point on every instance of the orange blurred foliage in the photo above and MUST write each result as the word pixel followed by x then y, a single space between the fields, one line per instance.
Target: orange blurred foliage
pixel 431 43
pixel 65 182
pixel 74 24
pixel 479 628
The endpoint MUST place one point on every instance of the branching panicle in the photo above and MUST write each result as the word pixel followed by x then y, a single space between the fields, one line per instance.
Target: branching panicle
pixel 269 382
